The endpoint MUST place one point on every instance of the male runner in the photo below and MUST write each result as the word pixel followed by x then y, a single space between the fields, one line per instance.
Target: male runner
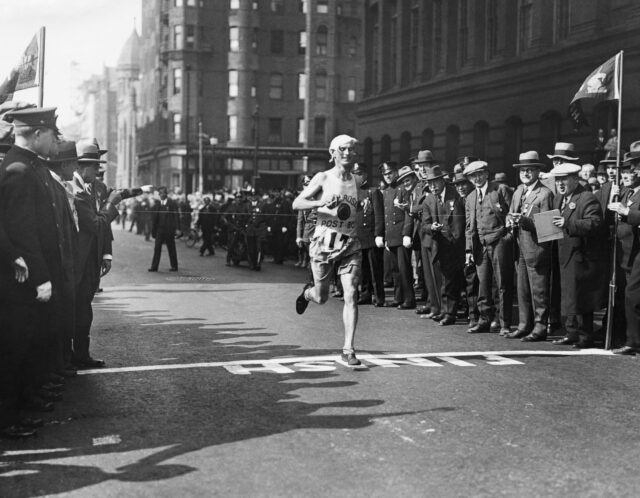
pixel 334 243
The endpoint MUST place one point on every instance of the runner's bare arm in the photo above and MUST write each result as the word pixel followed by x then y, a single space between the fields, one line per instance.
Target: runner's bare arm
pixel 307 198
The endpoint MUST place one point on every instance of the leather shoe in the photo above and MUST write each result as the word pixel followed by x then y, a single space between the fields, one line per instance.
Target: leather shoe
pixel 392 304
pixel 494 327
pixel 626 350
pixel 438 317
pixel 379 304
pixel 86 363
pixel 17 432
pixel 584 345
pixel 173 269
pixel 565 341
pixel 479 327
pixel 152 269
pixel 423 310
pixel 516 334
pixel 429 315
pixel 535 337
pixel 407 306
pixel 447 320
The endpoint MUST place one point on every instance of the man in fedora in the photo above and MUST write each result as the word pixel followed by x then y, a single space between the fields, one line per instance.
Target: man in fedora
pixel 94 247
pixel 580 255
pixel 30 225
pixel 534 260
pixel 628 208
pixel 443 243
pixel 489 245
pixel 398 231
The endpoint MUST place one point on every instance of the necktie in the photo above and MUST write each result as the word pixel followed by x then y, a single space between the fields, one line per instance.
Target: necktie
pixel 479 196
pixel 565 200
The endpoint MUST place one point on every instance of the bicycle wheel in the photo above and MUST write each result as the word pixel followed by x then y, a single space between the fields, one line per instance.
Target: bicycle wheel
pixel 192 238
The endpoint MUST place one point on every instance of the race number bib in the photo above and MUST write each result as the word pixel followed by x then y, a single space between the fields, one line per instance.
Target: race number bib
pixel 334 241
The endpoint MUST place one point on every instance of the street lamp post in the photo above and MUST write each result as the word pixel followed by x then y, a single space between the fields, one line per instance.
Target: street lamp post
pixel 186 189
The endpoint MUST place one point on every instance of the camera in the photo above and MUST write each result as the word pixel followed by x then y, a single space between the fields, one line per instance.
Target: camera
pixel 127 193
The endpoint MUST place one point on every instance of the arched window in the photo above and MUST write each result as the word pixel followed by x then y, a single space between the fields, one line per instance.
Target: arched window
pixel 452 144
pixel 512 147
pixel 367 152
pixel 275 86
pixel 480 139
pixel 322 37
pixel 405 147
pixel 426 139
pixel 550 125
pixel 385 148
pixel 321 84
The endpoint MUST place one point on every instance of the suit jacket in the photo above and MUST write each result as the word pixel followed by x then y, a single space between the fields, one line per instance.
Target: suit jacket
pixel 29 220
pixel 448 244
pixel 371 224
pixel 397 222
pixel 582 253
pixel 628 230
pixel 418 196
pixel 64 219
pixel 603 196
pixel 164 221
pixel 539 200
pixel 486 222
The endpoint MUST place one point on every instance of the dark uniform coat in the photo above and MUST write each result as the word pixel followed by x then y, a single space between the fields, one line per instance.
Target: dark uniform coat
pixel 629 235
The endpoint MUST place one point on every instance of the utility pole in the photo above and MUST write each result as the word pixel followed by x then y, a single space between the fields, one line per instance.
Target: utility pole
pixel 200 165
pixel 186 188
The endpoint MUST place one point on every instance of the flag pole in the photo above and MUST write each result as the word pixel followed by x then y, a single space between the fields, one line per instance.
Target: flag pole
pixel 612 283
pixel 41 68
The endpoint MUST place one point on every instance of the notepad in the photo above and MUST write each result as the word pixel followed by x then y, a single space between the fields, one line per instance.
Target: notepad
pixel 545 229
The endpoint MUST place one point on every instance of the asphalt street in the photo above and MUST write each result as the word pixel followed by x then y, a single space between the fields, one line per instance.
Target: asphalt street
pixel 216 387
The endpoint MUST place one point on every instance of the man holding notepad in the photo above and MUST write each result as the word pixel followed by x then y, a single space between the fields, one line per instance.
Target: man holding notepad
pixel 534 260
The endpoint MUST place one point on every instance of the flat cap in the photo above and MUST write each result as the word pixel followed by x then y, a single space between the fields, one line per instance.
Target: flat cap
pixel 564 169
pixel 474 166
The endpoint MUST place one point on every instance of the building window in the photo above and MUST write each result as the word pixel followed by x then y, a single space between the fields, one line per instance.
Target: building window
pixel 319 132
pixel 177 80
pixel 234 39
pixel 426 139
pixel 375 53
pixel 234 4
pixel 393 42
pixel 525 25
pixel 480 139
pixel 550 126
pixel 178 3
pixel 177 37
pixel 492 28
pixel 277 41
pixel 385 148
pixel 302 135
pixel 303 6
pixel 277 6
pixel 302 86
pixel 353 46
pixel 452 144
pixel 302 42
pixel 322 38
pixel 190 38
pixel 321 85
pixel 512 144
pixel 275 131
pixel 322 7
pixel 191 3
pixel 464 32
pixel 351 89
pixel 414 42
pixel 405 147
pixel 562 14
pixel 232 127
pixel 177 126
pixel 275 86
pixel 438 56
pixel 233 83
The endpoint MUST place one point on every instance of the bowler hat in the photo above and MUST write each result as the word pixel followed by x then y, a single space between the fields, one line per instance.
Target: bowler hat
pixel 88 152
pixel 434 173
pixel 387 167
pixel 564 169
pixel 35 117
pixel 423 157
pixel 405 172
pixel 474 166
pixel 529 159
pixel 634 152
pixel 564 150
pixel 66 152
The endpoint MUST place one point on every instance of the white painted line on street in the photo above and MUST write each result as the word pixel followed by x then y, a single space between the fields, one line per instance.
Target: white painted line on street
pixel 15 473
pixel 33 452
pixel 105 440
pixel 327 362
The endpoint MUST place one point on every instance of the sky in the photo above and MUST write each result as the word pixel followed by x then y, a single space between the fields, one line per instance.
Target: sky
pixel 82 36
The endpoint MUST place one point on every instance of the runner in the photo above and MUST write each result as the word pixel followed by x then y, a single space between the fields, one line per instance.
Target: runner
pixel 334 243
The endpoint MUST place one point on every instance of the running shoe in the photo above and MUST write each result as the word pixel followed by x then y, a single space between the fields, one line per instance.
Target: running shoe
pixel 350 359
pixel 301 301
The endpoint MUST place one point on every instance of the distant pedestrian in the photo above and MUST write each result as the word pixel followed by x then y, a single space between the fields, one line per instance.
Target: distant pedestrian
pixel 164 225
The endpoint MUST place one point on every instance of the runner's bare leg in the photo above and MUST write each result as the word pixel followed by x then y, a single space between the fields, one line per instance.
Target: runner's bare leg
pixel 350 310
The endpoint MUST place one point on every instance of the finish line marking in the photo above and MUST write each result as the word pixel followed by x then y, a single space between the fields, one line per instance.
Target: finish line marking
pixel 328 363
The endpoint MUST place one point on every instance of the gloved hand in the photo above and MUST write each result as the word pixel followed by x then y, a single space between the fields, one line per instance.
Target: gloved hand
pixel 21 270
pixel 269 229
pixel 44 292
pixel 379 241
pixel 406 241
pixel 299 242
pixel 284 229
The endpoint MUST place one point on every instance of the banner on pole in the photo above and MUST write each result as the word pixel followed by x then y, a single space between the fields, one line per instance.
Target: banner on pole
pixel 24 74
pixel 603 84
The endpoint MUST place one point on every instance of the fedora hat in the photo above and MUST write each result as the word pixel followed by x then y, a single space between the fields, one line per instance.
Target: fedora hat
pixel 474 166
pixel 423 157
pixel 634 152
pixel 464 161
pixel 564 169
pixel 460 178
pixel 88 152
pixel 66 152
pixel 528 159
pixel 564 150
pixel 102 152
pixel 433 173
pixel 405 172
pixel 611 159
pixel 387 167
pixel 500 177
